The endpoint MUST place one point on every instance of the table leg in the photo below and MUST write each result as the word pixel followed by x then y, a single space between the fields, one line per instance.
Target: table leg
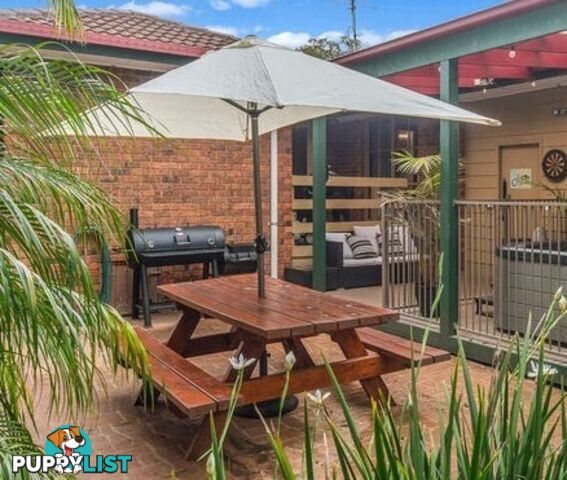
pixel 202 440
pixel 249 347
pixel 184 329
pixel 302 357
pixel 352 347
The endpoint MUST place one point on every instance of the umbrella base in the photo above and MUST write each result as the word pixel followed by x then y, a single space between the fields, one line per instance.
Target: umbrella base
pixel 268 409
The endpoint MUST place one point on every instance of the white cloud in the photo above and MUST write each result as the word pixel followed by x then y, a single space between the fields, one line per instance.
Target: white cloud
pixel 236 31
pixel 333 35
pixel 366 37
pixel 290 39
pixel 251 3
pixel 220 5
pixel 156 7
pixel 224 29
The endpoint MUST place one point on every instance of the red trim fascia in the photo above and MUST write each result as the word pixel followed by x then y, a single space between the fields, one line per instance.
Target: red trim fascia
pixel 116 41
pixel 509 9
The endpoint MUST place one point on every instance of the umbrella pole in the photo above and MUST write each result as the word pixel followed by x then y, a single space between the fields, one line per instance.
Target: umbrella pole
pixel 261 243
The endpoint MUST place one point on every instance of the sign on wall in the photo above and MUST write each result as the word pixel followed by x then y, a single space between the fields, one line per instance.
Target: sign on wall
pixel 520 178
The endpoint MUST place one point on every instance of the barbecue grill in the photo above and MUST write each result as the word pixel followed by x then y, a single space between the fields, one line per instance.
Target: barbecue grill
pixel 159 247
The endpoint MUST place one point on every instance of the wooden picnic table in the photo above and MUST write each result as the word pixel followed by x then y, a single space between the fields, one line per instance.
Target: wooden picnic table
pixel 287 315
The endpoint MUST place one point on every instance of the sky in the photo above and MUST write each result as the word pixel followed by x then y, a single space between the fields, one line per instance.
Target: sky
pixel 293 22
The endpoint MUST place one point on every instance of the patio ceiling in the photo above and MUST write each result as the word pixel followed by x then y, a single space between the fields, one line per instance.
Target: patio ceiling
pixel 527 61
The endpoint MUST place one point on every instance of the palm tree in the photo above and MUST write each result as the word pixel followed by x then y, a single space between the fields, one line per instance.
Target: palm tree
pixel 52 323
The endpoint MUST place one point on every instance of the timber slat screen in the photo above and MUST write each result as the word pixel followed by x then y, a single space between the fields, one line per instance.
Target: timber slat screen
pixel 366 210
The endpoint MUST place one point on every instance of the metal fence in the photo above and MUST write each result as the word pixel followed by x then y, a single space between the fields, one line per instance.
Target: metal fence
pixel 410 272
pixel 512 260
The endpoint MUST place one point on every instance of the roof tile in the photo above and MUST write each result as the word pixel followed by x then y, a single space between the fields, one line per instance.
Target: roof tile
pixel 129 24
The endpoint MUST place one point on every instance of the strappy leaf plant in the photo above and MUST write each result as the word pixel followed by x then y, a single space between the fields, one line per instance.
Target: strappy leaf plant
pixel 53 327
pixel 516 428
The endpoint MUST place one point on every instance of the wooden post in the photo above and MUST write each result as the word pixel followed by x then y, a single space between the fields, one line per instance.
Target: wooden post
pixel 319 146
pixel 449 146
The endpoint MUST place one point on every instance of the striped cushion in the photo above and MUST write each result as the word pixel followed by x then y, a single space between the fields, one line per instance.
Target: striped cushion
pixel 361 247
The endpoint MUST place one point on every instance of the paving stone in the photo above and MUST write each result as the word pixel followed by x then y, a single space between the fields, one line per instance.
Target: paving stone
pixel 159 440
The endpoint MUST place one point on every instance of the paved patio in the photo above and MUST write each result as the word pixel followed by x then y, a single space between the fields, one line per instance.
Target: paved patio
pixel 159 440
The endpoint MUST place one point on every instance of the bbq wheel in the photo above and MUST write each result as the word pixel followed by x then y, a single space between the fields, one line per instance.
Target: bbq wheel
pixel 554 165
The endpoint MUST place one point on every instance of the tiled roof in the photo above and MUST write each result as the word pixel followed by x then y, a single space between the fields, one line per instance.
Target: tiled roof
pixel 121 28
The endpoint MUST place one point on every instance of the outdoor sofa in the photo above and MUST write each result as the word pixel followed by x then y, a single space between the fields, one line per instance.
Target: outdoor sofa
pixel 355 272
pixel 345 271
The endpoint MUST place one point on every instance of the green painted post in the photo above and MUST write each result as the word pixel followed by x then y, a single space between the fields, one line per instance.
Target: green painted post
pixel 319 146
pixel 449 147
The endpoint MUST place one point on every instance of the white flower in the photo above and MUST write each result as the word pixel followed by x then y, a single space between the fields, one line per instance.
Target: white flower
pixel 240 363
pixel 289 360
pixel 562 303
pixel 318 398
pixel 547 370
pixel 211 464
pixel 558 294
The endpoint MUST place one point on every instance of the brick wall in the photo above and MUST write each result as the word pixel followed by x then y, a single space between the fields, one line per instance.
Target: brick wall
pixel 179 182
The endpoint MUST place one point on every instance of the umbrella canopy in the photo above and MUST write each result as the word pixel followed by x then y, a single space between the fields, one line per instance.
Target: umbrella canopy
pixel 188 102
pixel 253 87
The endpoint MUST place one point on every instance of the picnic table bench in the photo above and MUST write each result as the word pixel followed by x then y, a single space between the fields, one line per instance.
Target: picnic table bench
pixel 287 315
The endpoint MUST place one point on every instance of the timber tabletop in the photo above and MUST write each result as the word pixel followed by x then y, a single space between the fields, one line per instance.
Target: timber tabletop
pixel 287 311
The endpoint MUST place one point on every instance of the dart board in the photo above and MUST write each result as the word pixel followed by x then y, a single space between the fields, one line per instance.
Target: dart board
pixel 554 165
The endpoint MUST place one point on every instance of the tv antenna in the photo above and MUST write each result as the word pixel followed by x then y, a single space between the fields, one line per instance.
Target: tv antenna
pixel 352 8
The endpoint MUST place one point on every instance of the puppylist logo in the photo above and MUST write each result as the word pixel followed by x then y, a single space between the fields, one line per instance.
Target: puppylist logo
pixel 68 450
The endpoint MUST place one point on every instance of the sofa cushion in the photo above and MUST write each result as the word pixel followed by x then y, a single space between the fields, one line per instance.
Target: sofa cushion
pixel 362 262
pixel 340 237
pixel 394 259
pixel 399 241
pixel 369 231
pixel 361 247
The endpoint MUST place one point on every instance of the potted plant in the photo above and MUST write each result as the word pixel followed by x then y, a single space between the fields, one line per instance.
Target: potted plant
pixel 417 209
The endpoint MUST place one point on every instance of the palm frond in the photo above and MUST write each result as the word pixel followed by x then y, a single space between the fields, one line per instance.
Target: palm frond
pixel 43 104
pixel 16 440
pixel 53 328
pixel 56 333
pixel 62 195
pixel 427 169
pixel 67 19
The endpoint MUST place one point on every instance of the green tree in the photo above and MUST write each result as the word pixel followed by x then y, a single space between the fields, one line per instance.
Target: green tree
pixel 328 49
pixel 52 324
pixel 322 48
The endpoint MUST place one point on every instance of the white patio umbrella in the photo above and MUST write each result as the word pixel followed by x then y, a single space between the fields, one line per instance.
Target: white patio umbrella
pixel 253 87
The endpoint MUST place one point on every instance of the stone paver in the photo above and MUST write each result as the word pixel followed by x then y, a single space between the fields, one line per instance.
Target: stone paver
pixel 159 440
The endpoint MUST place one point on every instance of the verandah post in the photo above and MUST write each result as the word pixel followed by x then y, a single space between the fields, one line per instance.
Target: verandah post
pixel 319 158
pixel 449 149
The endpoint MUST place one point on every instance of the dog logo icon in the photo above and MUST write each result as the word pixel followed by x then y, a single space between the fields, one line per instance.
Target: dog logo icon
pixel 68 441
pixel 68 450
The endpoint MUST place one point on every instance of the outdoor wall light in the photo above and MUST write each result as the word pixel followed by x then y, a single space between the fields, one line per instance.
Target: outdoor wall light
pixel 405 140
pixel 512 52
